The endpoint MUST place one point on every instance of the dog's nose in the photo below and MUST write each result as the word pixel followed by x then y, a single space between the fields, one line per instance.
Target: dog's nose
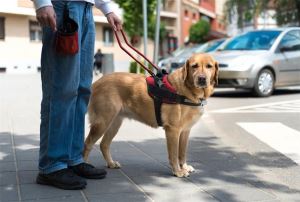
pixel 202 80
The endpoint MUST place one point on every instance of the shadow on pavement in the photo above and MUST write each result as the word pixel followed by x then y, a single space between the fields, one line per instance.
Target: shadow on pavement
pixel 220 169
pixel 221 172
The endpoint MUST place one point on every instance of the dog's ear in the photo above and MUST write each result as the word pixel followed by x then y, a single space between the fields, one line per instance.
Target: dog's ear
pixel 185 70
pixel 215 79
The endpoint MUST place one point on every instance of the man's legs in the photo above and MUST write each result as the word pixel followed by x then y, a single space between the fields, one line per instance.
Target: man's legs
pixel 66 89
pixel 60 81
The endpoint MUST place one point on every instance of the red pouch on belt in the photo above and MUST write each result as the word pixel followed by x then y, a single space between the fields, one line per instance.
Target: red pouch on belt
pixel 66 42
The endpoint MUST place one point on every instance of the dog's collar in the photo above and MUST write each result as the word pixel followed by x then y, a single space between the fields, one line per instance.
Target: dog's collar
pixel 201 102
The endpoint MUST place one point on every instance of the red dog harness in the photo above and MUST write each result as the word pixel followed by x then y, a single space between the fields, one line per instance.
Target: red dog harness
pixel 160 89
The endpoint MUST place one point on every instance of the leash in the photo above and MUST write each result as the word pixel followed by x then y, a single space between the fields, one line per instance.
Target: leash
pixel 138 52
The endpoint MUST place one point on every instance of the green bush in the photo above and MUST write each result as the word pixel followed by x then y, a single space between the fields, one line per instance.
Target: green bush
pixel 134 66
pixel 199 31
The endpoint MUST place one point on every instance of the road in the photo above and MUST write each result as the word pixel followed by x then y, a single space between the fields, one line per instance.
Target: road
pixel 243 149
pixel 264 134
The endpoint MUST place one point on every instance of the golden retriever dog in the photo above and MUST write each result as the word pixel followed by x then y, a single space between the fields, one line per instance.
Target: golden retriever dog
pixel 124 95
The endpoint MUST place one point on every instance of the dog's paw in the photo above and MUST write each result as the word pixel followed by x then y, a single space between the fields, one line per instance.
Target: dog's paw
pixel 188 168
pixel 181 173
pixel 114 164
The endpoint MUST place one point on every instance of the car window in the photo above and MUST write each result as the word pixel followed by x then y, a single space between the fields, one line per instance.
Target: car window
pixel 209 46
pixel 178 51
pixel 256 40
pixel 291 41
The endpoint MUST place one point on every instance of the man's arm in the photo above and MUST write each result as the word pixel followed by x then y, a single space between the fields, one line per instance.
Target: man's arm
pixel 112 18
pixel 104 6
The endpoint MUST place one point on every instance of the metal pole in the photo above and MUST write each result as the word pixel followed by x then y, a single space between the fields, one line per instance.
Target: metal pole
pixel 157 29
pixel 145 29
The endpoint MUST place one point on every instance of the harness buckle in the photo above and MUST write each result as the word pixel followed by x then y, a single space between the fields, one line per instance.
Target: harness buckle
pixel 159 76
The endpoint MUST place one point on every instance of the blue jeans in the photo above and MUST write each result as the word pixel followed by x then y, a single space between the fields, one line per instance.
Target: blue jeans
pixel 66 83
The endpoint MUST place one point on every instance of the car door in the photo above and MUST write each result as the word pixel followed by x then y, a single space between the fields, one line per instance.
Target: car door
pixel 288 58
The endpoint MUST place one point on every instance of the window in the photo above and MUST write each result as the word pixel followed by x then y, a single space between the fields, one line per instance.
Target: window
pixel 108 37
pixel 186 13
pixel 291 41
pixel 194 16
pixel 35 31
pixel 2 28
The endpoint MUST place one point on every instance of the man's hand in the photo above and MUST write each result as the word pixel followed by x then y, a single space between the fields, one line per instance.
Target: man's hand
pixel 47 17
pixel 114 21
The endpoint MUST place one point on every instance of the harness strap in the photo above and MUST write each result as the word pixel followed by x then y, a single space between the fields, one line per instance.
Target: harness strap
pixel 172 98
pixel 157 106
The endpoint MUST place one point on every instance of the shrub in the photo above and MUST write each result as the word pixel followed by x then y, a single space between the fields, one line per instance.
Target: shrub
pixel 134 66
pixel 199 31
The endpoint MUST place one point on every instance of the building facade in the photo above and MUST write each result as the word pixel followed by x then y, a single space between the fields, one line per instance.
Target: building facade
pixel 21 35
pixel 194 10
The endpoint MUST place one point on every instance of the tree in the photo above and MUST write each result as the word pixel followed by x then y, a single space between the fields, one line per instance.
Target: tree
pixel 133 18
pixel 244 10
pixel 287 12
pixel 199 31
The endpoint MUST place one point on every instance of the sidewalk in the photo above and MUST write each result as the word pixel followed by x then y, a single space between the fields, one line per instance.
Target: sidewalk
pixel 145 175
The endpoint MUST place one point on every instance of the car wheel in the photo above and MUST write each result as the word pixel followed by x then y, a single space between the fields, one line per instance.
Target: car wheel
pixel 264 83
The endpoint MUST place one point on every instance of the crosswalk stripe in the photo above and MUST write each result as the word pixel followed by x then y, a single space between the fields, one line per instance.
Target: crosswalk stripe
pixel 277 135
pixel 274 107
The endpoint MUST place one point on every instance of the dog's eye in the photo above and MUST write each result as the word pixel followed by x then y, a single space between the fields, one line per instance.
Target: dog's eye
pixel 195 65
pixel 209 66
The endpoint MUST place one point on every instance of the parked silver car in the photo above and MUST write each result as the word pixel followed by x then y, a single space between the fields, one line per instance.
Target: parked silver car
pixel 179 60
pixel 261 60
pixel 165 63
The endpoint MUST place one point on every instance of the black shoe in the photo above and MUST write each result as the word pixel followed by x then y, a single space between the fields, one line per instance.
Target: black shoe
pixel 63 179
pixel 88 171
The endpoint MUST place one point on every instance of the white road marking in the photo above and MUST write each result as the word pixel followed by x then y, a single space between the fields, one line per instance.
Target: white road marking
pixel 274 107
pixel 277 135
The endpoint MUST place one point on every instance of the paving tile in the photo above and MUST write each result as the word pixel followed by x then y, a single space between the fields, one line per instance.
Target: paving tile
pixel 7 178
pixel 27 165
pixel 157 146
pixel 5 139
pixel 110 185
pixel 114 173
pixel 6 153
pixel 151 168
pixel 154 183
pixel 25 155
pixel 119 197
pixel 288 196
pixel 239 193
pixel 8 193
pixel 58 199
pixel 27 177
pixel 26 141
pixel 7 166
pixel 37 192
pixel 182 195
